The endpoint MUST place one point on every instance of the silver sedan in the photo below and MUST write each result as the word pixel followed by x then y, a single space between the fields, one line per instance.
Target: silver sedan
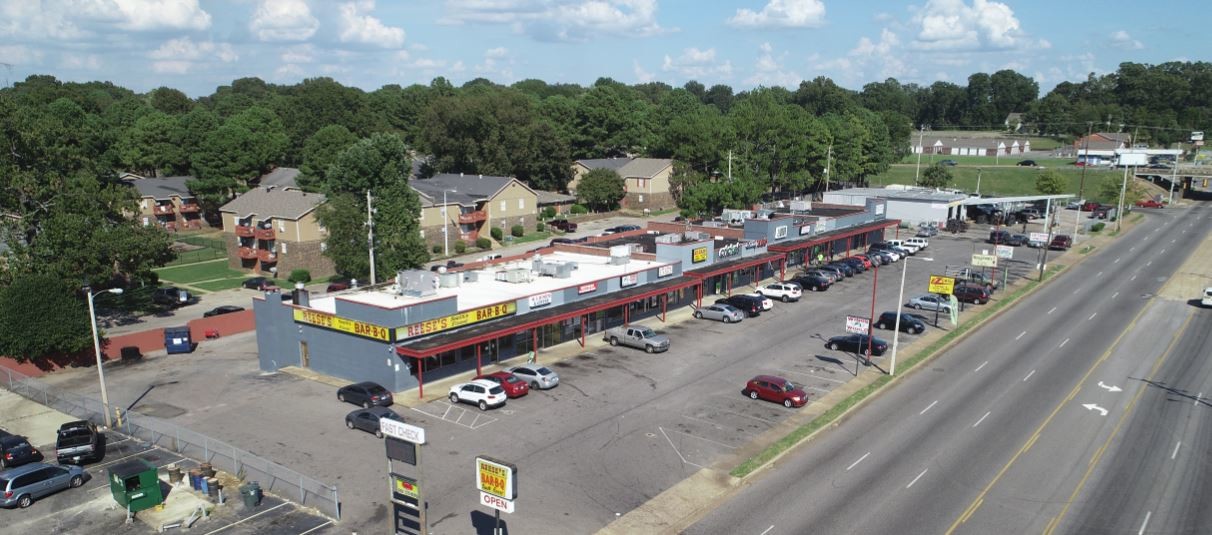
pixel 720 312
pixel 930 302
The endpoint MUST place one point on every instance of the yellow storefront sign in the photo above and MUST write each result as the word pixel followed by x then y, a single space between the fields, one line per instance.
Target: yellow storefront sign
pixel 495 478
pixel 337 323
pixel 699 254
pixel 942 285
pixel 455 321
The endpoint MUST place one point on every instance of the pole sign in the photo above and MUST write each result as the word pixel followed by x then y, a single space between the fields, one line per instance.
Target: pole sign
pixel 497 478
pixel 941 285
pixel 857 324
pixel 402 431
pixel 954 310
pixel 1039 237
pixel 984 260
pixel 1005 251
pixel 497 503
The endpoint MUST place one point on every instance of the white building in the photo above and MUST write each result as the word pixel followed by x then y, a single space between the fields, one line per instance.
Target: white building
pixel 910 205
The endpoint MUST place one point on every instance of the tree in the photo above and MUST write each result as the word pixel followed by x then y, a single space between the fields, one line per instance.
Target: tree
pixel 371 164
pixel 935 176
pixel 154 146
pixel 244 148
pixel 170 101
pixel 47 305
pixel 777 141
pixel 1050 183
pixel 398 242
pixel 601 189
pixel 320 152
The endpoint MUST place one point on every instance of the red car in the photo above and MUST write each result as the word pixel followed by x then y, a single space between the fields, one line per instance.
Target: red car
pixel 1149 203
pixel 866 261
pixel 776 389
pixel 513 386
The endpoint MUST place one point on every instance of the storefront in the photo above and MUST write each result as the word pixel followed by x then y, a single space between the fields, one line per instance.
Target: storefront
pixel 829 246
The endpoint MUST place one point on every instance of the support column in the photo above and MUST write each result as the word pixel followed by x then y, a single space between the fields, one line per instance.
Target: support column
pixel 699 293
pixel 626 314
pixel 729 277
pixel 478 371
pixel 584 326
pixel 534 342
pixel 782 270
pixel 421 379
pixel 664 305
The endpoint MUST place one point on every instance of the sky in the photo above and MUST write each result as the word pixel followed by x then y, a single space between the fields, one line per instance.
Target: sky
pixel 198 45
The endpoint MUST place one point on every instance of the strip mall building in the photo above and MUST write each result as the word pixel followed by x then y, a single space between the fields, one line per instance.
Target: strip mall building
pixel 424 325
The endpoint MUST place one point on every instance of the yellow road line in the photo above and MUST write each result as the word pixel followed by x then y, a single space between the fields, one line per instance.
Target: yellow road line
pixel 981 496
pixel 1124 417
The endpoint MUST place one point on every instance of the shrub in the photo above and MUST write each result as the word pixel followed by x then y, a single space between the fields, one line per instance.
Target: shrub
pixel 538 227
pixel 460 246
pixel 578 209
pixel 483 243
pixel 1097 227
pixel 498 234
pixel 300 275
pixel 549 212
pixel 437 249
pixel 517 231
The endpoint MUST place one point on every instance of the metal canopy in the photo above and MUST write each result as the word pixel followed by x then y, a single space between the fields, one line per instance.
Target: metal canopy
pixel 1004 200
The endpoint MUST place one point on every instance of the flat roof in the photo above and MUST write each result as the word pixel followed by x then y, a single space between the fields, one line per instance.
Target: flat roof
pixel 905 194
pixel 486 290
pixel 1003 200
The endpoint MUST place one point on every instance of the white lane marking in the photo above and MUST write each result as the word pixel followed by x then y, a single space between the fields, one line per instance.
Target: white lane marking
pixel 675 450
pixel 1133 278
pixel 855 463
pixel 1133 248
pixel 1099 274
pixel 1053 310
pixel 768 529
pixel 928 407
pixel 1116 261
pixel 1163 251
pixel 978 368
pixel 1063 343
pixel 1174 240
pixel 317 527
pixel 1028 375
pixel 1149 263
pixel 1197 397
pixel 978 422
pixel 1020 335
pixel 1077 290
pixel 919 476
pixel 247 518
pixel 1145 524
pixel 1114 295
pixel 1175 454
pixel 1092 316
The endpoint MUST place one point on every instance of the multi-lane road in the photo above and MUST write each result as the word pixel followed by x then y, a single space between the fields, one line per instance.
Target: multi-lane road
pixel 1080 410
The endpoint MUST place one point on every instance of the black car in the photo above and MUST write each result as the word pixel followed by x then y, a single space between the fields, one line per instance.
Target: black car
pixel 750 305
pixel 366 394
pixel 368 419
pixel 622 228
pixel 563 224
pixel 225 309
pixel 948 163
pixel 999 236
pixel 836 270
pixel 1027 163
pixel 927 232
pixel 1018 240
pixel 970 293
pixel 257 283
pixel 15 450
pixel 847 269
pixel 857 343
pixel 856 264
pixel 910 323
pixel 812 283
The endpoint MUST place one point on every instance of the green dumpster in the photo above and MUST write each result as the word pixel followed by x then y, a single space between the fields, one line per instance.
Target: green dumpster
pixel 135 485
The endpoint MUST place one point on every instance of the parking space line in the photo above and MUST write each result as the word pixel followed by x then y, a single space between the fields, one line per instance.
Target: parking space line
pixel 1176 446
pixel 675 448
pixel 108 463
pixel 1092 316
pixel 692 435
pixel 1053 310
pixel 708 422
pixel 771 422
pixel 1114 295
pixel 1062 344
pixel 919 476
pixel 317 527
pixel 247 518
pixel 855 463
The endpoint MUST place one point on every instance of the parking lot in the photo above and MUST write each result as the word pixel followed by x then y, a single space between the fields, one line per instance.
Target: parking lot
pixel 622 426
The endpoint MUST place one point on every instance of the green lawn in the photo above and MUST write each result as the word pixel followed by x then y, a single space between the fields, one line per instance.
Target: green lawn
pixel 1003 180
pixel 221 284
pixel 987 161
pixel 531 236
pixel 204 271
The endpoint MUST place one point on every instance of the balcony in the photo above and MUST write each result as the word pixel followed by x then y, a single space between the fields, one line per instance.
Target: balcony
pixel 247 253
pixel 267 256
pixel 189 208
pixel 472 217
pixel 264 233
pixel 162 209
pixel 244 231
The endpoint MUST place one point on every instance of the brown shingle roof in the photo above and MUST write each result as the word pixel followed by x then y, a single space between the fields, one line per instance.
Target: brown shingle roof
pixel 265 202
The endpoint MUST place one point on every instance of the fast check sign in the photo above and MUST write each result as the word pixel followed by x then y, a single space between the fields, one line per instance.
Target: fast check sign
pixel 941 285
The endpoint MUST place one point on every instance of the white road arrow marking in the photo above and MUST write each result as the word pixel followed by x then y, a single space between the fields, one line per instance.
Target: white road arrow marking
pixel 1110 388
pixel 1095 407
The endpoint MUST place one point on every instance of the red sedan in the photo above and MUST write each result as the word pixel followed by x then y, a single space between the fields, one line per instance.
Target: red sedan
pixel 776 389
pixel 513 386
pixel 866 261
pixel 1149 203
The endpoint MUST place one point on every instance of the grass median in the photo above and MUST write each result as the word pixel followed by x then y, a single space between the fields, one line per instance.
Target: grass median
pixel 833 413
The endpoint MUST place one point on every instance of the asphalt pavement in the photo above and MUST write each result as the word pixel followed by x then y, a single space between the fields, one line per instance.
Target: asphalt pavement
pixel 996 434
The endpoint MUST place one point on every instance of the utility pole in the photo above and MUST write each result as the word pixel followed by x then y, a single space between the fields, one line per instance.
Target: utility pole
pixel 1123 188
pixel 1174 177
pixel 370 236
pixel 1081 188
pixel 979 170
pixel 921 133
pixel 828 161
pixel 730 165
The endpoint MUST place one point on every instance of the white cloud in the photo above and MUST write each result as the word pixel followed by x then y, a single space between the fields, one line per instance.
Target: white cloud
pixel 560 20
pixel 1122 40
pixel 21 55
pixel 87 62
pixel 161 15
pixel 887 44
pixel 179 56
pixel 299 54
pixel 289 71
pixel 695 63
pixel 955 25
pixel 283 20
pixel 642 76
pixel 496 62
pixel 81 19
pixel 782 14
pixel 496 53
pixel 357 26
pixel 768 70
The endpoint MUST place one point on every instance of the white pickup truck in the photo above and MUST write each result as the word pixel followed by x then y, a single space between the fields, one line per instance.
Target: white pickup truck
pixel 637 336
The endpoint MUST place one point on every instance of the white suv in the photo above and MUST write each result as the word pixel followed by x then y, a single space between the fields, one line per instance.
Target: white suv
pixel 783 291
pixel 921 243
pixel 480 392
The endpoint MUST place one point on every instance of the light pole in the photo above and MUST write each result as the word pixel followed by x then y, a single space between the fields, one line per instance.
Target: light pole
pixel 92 316
pixel 896 327
pixel 979 171
pixel 921 133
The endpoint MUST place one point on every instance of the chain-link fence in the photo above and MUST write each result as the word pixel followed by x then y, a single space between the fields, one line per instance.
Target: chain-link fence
pixel 199 249
pixel 244 465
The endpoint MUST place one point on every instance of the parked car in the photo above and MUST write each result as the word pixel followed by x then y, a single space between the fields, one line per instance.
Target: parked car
pixel 847 269
pixel 1206 300
pixel 539 377
pixel 970 293
pixel 368 419
pixel 1101 212
pixel 885 249
pixel 867 263
pixel 720 312
pixel 776 389
pixel 751 306
pixel 877 257
pixel 366 394
pixel 782 291
pixel 927 232
pixel 621 228
pixel 257 283
pixel 813 283
pixel 1090 206
pixel 920 243
pixel 555 241
pixel 637 336
pixel 1031 213
pixel 220 310
pixel 20 486
pixel 1159 165
pixel 1061 242
pixel 1027 163
pixel 930 302
pixel 837 272
pixel 1075 205
pixel 1149 203
pixel 78 442
pixel 339 284
pixel 857 343
pixel 829 274
pixel 563 225
pixel 999 237
pixel 1036 244
pixel 857 264
pixel 1018 240
pixel 514 386
pixel 903 244
pixel 481 393
pixel 910 323
pixel 948 163
pixel 973 276
pixel 15 450
pixel 172 296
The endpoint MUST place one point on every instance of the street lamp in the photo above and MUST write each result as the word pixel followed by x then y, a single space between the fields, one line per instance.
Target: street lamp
pixel 92 315
pixel 896 327
pixel 446 224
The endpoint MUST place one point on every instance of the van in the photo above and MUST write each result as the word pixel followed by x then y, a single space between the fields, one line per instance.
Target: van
pixel 920 243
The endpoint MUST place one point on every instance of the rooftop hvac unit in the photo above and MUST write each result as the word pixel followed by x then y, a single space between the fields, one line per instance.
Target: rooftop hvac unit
pixel 518 275
pixel 471 276
pixel 669 238
pixel 416 283
pixel 564 271
pixel 620 250
pixel 619 260
pixel 801 206
pixel 449 280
